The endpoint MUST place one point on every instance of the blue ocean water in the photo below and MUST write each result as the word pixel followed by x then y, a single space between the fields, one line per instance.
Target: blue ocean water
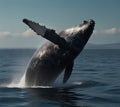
pixel 95 81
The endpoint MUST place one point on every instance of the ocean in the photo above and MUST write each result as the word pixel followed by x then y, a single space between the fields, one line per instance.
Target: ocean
pixel 95 81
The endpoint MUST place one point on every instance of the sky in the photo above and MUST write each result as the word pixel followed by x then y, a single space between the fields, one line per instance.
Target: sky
pixel 59 15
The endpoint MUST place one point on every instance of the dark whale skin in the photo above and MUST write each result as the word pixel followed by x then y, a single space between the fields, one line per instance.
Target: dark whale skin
pixel 51 59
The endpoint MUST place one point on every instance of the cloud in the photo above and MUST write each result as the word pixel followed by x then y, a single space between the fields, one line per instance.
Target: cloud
pixel 111 31
pixel 26 33
pixel 29 33
pixel 25 39
pixel 4 33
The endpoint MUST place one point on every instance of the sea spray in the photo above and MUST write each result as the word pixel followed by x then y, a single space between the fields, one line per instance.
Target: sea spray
pixel 22 81
pixel 20 84
pixel 58 84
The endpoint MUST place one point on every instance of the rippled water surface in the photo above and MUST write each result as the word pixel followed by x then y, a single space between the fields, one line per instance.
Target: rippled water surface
pixel 95 81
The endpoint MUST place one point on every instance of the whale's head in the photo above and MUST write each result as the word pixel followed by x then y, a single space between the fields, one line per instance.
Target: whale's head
pixel 78 36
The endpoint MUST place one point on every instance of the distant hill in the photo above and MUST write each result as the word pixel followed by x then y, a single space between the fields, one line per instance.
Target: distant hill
pixel 103 46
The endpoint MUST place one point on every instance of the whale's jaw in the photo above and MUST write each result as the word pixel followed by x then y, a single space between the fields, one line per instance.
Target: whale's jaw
pixel 80 28
pixel 78 36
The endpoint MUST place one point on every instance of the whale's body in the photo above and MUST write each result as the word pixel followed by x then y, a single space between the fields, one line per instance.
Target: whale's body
pixel 57 54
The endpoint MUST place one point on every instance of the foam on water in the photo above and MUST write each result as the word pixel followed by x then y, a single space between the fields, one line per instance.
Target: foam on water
pixel 22 84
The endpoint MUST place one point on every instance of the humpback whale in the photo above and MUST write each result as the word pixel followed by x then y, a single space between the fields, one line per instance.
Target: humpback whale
pixel 57 54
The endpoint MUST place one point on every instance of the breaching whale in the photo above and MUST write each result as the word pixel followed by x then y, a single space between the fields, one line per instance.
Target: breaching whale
pixel 57 54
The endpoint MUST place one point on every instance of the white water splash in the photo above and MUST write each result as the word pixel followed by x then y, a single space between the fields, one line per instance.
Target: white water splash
pixel 77 83
pixel 20 84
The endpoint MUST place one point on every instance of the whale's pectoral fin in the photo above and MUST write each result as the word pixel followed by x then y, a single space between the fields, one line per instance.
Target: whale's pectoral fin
pixel 49 34
pixel 68 71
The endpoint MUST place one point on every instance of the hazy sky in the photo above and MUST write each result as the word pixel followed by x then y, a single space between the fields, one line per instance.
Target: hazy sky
pixel 59 15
